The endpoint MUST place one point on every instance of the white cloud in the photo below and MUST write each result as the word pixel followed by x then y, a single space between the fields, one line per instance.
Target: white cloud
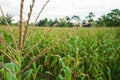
pixel 61 8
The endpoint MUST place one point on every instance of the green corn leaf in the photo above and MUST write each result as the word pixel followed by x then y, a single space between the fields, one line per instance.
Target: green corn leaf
pixel 14 69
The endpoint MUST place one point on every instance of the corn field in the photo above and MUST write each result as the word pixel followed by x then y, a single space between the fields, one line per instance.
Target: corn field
pixel 81 54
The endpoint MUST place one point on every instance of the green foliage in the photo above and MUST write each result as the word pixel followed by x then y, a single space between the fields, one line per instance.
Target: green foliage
pixel 13 69
pixel 60 22
pixel 77 18
pixel 112 19
pixel 88 54
pixel 8 18
pixel 90 17
pixel 43 22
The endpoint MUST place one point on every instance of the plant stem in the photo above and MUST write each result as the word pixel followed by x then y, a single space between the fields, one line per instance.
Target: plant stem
pixel 21 25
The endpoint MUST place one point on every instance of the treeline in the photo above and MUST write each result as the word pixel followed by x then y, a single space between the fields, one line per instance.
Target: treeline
pixel 73 21
pixel 111 19
pixel 62 22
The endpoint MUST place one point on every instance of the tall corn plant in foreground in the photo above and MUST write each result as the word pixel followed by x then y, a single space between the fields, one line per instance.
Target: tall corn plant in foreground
pixel 13 70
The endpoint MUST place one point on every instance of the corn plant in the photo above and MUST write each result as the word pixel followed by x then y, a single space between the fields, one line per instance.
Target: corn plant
pixel 16 53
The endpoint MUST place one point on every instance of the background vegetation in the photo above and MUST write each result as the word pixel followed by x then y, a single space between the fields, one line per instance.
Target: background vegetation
pixel 111 19
pixel 84 54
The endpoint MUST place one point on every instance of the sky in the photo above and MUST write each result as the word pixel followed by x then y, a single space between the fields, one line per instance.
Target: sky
pixel 60 8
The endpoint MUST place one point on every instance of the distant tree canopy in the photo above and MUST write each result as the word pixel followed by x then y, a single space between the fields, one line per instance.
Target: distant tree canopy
pixel 8 17
pixel 65 22
pixel 108 20
pixel 89 21
pixel 112 19
pixel 90 17
pixel 77 18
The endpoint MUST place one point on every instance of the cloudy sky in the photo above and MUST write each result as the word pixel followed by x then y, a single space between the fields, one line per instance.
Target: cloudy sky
pixel 61 8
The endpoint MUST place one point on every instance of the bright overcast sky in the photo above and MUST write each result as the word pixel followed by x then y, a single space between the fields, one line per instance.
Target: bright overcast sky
pixel 61 8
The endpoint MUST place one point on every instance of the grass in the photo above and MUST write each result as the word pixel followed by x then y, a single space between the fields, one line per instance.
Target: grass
pixel 81 54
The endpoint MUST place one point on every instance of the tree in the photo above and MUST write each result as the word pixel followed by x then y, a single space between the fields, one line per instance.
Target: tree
pixel 51 23
pixel 8 17
pixel 77 19
pixel 111 19
pixel 90 17
pixel 62 23
pixel 67 19
pixel 114 17
pixel 43 22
